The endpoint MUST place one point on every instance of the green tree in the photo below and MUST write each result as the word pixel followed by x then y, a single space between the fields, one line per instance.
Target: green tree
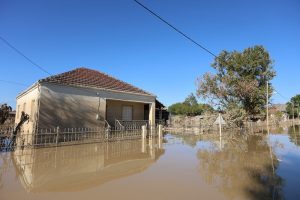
pixel 176 109
pixel 240 81
pixel 191 100
pixel 189 107
pixel 4 112
pixel 293 106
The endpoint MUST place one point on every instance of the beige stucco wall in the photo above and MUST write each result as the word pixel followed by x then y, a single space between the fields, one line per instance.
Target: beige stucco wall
pixel 70 107
pixel 114 110
pixel 28 102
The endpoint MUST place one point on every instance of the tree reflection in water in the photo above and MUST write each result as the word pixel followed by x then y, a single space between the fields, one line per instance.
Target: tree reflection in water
pixel 242 168
pixel 294 134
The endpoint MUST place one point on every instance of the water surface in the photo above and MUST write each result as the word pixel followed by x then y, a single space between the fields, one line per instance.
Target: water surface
pixel 179 167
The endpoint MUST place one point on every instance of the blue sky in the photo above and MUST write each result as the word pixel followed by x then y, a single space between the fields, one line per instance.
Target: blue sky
pixel 122 39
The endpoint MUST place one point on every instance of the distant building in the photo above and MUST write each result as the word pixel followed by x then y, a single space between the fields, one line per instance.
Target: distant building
pixel 83 98
pixel 161 113
pixel 278 111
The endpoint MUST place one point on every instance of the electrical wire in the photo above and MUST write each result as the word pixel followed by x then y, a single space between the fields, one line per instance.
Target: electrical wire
pixel 23 55
pixel 176 29
pixel 13 82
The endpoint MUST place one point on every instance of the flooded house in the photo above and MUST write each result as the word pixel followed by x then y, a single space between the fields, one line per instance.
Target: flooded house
pixel 83 98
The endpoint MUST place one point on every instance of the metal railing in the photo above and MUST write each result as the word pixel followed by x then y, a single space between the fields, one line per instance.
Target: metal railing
pixel 133 124
pixel 119 126
pixel 107 126
pixel 6 130
pixel 70 136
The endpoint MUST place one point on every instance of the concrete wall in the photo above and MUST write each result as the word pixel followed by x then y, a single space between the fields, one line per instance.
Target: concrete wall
pixel 67 106
pixel 114 110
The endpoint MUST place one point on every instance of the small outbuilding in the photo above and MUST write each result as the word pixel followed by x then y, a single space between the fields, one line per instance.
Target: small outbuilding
pixel 83 98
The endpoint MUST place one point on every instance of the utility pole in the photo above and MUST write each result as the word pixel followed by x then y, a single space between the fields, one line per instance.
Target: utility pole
pixel 298 113
pixel 267 105
pixel 293 113
pixel 220 125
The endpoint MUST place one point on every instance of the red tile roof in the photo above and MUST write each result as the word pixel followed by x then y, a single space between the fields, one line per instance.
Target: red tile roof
pixel 91 78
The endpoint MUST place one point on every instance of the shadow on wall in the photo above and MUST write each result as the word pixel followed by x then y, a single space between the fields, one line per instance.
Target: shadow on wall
pixel 69 110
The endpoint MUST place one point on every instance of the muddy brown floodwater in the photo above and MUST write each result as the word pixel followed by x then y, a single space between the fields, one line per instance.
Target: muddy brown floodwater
pixel 179 167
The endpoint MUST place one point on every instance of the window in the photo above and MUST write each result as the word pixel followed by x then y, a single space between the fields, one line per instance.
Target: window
pixel 127 113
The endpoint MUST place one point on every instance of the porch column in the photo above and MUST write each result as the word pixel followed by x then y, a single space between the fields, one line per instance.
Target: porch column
pixel 103 108
pixel 152 114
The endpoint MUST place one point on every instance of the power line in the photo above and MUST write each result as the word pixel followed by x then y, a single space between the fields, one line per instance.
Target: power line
pixel 185 35
pixel 280 94
pixel 24 56
pixel 176 29
pixel 13 82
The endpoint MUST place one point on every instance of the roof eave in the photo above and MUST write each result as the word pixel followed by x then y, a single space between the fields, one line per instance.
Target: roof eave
pixel 27 90
pixel 96 88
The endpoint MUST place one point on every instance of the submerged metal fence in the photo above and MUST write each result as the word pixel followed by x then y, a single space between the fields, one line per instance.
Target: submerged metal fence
pixel 69 136
pixel 6 130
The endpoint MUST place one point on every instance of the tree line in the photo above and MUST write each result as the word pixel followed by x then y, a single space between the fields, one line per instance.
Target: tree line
pixel 189 107
pixel 293 106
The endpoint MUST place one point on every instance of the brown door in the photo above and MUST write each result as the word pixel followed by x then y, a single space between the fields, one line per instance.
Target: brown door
pixel 127 113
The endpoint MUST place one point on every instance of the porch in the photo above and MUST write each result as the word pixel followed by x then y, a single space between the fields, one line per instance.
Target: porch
pixel 129 115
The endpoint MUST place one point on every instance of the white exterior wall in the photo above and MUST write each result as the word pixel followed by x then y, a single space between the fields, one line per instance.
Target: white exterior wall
pixel 28 102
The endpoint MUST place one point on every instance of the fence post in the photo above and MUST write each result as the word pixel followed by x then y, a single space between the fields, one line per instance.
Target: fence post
pixel 160 131
pixel 106 134
pixel 57 135
pixel 160 136
pixel 144 132
pixel 143 146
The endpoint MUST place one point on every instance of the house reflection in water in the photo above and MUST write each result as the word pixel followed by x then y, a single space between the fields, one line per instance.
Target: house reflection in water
pixel 79 167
